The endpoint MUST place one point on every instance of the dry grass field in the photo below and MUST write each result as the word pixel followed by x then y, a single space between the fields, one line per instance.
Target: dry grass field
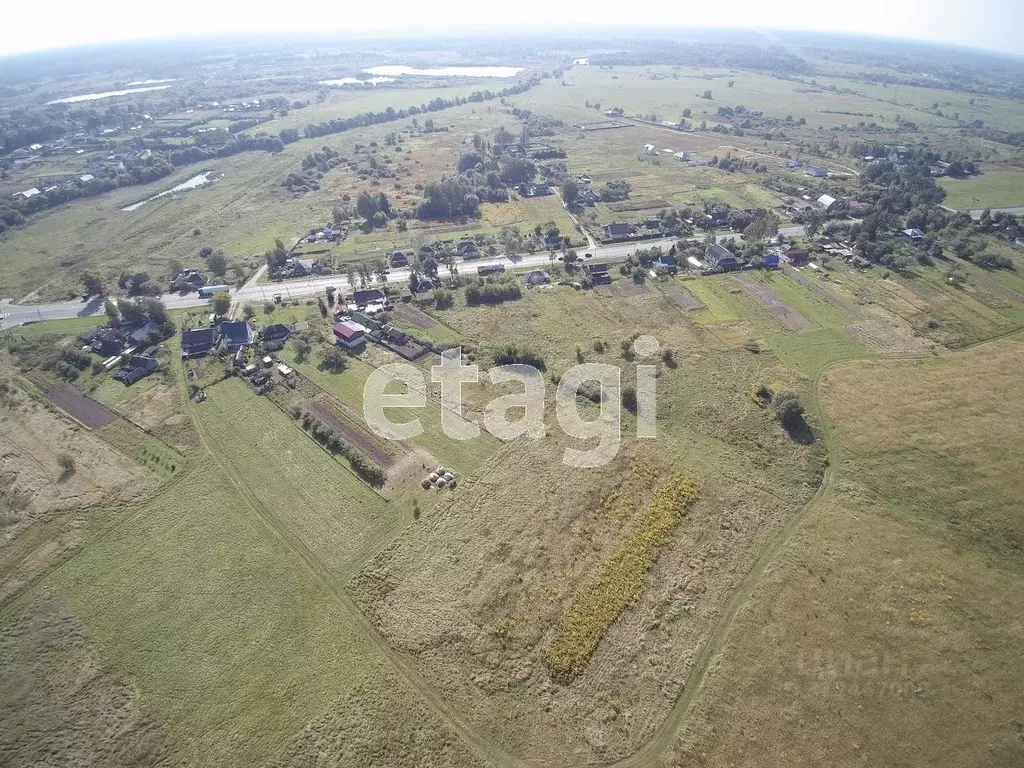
pixel 891 604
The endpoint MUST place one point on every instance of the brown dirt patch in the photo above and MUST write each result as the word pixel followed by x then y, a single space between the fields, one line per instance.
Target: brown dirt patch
pixel 684 299
pixel 408 469
pixel 351 434
pixel 789 317
pixel 626 289
pixel 156 407
pixel 414 316
pixel 82 408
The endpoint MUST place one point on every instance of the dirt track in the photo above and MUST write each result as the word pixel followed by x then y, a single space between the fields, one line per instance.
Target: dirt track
pixel 788 316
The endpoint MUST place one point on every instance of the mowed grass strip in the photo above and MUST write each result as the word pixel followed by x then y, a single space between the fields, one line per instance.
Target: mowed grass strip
pixel 621 578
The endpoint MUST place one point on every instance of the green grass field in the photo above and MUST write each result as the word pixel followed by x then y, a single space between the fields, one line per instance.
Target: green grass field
pixel 993 188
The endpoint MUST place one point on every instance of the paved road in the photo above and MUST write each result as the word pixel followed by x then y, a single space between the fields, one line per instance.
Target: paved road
pixel 16 314
pixel 976 212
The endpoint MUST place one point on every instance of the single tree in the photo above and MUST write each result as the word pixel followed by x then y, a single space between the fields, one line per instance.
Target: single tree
pixel 218 263
pixel 113 313
pixel 570 188
pixel 221 304
pixel 94 284
pixel 301 350
pixel 335 360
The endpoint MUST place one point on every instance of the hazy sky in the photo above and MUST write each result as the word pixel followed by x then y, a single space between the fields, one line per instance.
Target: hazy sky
pixel 38 24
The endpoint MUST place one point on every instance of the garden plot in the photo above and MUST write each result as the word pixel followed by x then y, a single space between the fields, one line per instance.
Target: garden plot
pixel 788 316
pixel 683 298
pixel 414 316
pixel 87 411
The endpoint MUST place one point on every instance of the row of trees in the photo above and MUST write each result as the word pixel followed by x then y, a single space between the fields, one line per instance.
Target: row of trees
pixel 340 125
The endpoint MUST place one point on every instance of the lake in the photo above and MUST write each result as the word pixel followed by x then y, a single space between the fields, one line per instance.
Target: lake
pixel 153 82
pixel 357 81
pixel 397 71
pixel 193 183
pixel 105 94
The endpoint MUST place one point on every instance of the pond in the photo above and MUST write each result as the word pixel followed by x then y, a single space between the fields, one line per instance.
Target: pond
pixel 357 81
pixel 105 94
pixel 193 183
pixel 398 70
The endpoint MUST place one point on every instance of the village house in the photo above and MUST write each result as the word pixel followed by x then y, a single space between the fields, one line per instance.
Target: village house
pixel 468 250
pixel 721 258
pixel 817 171
pixel 617 231
pixel 147 333
pixel 537 277
pixel 276 332
pixel 349 334
pixel 398 259
pixel 108 342
pixel 369 296
pixel 198 341
pixel 423 285
pixel 827 203
pixel 236 333
pixel 913 234
pixel 189 280
pixel 137 367
pixel 797 258
pixel 666 262
pixel 598 274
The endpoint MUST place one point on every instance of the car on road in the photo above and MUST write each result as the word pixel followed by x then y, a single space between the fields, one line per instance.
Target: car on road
pixel 588 255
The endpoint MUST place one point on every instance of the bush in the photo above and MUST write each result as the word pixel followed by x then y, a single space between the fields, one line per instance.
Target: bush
pixel 444 299
pixel 629 399
pixel 76 357
pixel 67 465
pixel 512 355
pixel 492 293
pixel 790 413
pixel 65 370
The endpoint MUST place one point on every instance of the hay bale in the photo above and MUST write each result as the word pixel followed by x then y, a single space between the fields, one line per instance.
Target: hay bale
pixel 440 471
pixel 426 483
pixel 449 476
pixel 441 483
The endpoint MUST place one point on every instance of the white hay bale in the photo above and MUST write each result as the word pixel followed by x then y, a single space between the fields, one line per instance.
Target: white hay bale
pixel 449 476
pixel 441 483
